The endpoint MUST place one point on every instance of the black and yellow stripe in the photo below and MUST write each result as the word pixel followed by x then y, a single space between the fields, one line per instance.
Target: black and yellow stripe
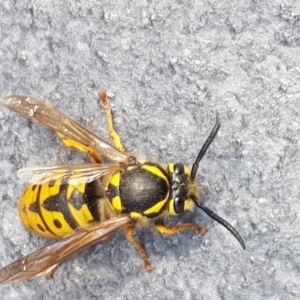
pixel 55 210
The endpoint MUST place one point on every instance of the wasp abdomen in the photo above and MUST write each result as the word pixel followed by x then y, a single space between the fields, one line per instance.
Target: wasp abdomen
pixel 55 210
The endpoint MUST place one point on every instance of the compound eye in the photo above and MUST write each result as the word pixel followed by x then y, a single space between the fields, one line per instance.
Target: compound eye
pixel 179 205
pixel 178 168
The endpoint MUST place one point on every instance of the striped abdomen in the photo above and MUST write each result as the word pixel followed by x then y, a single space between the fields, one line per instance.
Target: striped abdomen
pixel 55 210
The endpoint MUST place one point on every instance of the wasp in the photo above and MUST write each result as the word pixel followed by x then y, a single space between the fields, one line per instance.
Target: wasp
pixel 83 204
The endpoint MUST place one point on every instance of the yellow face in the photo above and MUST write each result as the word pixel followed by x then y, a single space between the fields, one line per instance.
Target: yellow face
pixel 188 206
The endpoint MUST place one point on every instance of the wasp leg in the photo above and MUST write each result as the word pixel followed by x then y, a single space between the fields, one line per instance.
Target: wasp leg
pixel 112 133
pixel 138 247
pixel 162 228
pixel 78 146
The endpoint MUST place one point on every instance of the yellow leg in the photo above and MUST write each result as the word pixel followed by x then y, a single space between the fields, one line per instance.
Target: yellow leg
pixel 112 133
pixel 162 228
pixel 138 247
pixel 78 146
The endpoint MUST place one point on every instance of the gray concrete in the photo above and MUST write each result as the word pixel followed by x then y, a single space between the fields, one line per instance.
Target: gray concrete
pixel 167 66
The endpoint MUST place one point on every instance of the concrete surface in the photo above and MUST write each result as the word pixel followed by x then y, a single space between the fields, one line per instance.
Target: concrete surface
pixel 167 66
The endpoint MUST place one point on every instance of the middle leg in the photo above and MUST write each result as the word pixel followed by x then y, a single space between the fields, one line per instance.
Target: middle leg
pixel 112 133
pixel 138 247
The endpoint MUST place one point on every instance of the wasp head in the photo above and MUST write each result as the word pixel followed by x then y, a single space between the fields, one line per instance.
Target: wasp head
pixel 184 189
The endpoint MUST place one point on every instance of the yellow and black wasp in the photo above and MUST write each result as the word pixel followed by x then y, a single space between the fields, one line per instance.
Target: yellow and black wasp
pixel 84 203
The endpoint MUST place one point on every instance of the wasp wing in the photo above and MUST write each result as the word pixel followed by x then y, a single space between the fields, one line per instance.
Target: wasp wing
pixel 72 174
pixel 73 134
pixel 46 259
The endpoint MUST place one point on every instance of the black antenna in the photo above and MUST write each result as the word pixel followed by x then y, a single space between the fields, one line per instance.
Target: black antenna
pixel 221 221
pixel 206 146
pixel 193 175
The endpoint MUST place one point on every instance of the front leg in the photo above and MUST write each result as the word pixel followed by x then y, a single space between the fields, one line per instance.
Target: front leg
pixel 162 228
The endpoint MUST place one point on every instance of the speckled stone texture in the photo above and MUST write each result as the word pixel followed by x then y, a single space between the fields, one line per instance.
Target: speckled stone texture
pixel 166 66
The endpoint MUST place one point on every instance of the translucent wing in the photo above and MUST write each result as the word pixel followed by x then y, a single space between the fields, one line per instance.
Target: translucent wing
pixel 46 259
pixel 72 174
pixel 73 134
